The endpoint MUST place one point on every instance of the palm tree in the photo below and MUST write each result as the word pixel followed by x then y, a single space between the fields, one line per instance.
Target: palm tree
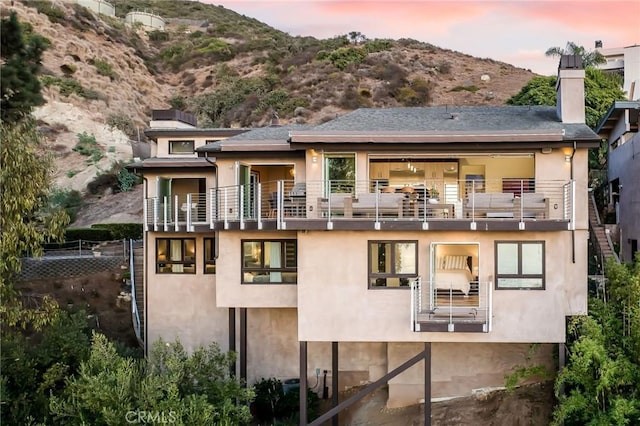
pixel 589 58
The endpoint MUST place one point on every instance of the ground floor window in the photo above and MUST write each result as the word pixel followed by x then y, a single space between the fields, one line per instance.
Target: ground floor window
pixel 176 255
pixel 210 255
pixel 269 261
pixel 392 263
pixel 520 265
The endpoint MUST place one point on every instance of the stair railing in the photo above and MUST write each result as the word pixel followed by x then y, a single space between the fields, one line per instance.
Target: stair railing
pixel 135 315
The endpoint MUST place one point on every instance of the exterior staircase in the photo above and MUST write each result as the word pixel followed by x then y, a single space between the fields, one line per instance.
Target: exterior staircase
pixel 598 234
pixel 136 266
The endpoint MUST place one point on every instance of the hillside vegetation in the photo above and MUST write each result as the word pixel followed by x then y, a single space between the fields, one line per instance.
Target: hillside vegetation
pixel 103 77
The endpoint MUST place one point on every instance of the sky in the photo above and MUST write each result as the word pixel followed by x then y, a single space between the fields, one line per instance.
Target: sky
pixel 517 32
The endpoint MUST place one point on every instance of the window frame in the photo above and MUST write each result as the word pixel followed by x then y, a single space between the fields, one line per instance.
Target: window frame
pixel 166 266
pixel 371 276
pixel 209 263
pixel 519 274
pixel 182 141
pixel 268 271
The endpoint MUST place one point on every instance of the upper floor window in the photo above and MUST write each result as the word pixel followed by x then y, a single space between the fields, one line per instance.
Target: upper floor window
pixel 210 255
pixel 392 263
pixel 176 255
pixel 520 265
pixel 181 147
pixel 269 261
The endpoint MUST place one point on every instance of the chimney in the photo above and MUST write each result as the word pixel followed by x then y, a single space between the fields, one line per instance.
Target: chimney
pixel 570 90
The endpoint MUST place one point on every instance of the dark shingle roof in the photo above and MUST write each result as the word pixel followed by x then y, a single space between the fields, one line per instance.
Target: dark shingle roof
pixel 272 137
pixel 456 119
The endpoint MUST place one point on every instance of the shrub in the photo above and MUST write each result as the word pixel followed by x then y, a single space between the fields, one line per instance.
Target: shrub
pixel 344 56
pixel 104 68
pixel 471 88
pixel 121 231
pixel 103 182
pixel 127 180
pixel 74 234
pixel 123 122
pixel 67 199
pixel 53 12
pixel 88 146
pixel 68 69
pixel 378 45
pixel 271 403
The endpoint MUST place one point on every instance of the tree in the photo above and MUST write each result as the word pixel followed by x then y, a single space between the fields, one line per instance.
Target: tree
pixel 35 367
pixel 26 222
pixel 602 376
pixel 21 62
pixel 170 387
pixel 601 90
pixel 589 58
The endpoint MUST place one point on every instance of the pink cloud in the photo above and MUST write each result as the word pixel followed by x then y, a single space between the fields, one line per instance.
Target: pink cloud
pixel 614 20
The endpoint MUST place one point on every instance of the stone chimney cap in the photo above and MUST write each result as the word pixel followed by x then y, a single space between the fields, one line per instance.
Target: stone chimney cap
pixel 570 62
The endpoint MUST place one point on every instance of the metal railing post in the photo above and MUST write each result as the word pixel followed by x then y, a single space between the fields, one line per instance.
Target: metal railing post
pixel 176 214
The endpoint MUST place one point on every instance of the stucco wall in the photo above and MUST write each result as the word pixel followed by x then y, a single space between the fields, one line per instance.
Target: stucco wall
pixel 232 293
pixel 183 305
pixel 624 167
pixel 335 275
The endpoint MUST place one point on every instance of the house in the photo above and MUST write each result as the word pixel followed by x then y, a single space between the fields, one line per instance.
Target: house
pixel 619 127
pixel 624 61
pixel 372 242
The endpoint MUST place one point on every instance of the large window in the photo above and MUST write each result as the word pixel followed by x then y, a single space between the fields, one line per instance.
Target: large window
pixel 210 256
pixel 269 261
pixel 181 147
pixel 520 265
pixel 340 172
pixel 176 255
pixel 392 263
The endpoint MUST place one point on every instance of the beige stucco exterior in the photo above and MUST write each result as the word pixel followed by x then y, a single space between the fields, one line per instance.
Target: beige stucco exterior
pixel 332 301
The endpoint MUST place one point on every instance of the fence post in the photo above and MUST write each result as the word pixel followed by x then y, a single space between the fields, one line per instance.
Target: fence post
pixel 80 246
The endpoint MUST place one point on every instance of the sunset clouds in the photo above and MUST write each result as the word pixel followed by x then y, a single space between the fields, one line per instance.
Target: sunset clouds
pixel 516 32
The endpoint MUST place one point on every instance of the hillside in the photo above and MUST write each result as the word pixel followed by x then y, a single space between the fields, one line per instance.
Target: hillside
pixel 103 77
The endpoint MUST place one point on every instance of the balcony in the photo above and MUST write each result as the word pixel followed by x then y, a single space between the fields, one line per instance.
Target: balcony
pixel 443 306
pixel 503 205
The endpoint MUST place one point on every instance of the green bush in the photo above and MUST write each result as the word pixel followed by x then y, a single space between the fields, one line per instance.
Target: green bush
pixel 68 199
pixel 91 234
pixel 35 366
pixel 378 45
pixel 471 88
pixel 271 403
pixel 68 69
pixel 88 146
pixel 122 231
pixel 104 68
pixel 54 13
pixel 343 57
pixel 123 122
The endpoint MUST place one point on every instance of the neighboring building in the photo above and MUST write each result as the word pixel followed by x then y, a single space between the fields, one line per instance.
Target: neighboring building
pixel 147 19
pixel 99 6
pixel 620 128
pixel 624 61
pixel 458 234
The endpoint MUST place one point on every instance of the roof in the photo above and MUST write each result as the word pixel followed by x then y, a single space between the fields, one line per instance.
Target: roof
pixel 608 122
pixel 164 163
pixel 272 138
pixel 539 123
pixel 155 132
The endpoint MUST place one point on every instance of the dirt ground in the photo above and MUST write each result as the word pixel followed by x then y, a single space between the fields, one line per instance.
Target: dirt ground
pixel 99 295
pixel 527 405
